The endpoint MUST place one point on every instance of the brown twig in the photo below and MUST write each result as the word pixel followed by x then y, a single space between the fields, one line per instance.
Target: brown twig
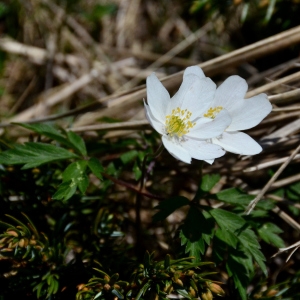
pixel 295 246
pixel 253 203
pixel 273 84
pixel 136 125
pixel 268 164
pixel 132 187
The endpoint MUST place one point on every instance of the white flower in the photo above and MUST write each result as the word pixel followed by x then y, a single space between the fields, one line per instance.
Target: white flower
pixel 244 113
pixel 186 132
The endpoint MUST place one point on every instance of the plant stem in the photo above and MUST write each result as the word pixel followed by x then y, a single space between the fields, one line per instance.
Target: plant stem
pixel 138 203
pixel 198 194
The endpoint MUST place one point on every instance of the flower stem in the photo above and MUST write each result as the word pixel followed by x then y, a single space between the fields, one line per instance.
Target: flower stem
pixel 138 202
pixel 198 194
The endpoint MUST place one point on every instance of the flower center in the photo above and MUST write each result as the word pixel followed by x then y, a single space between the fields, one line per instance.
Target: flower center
pixel 178 123
pixel 212 112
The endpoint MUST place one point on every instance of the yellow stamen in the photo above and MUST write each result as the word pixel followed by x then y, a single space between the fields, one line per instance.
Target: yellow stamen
pixel 178 122
pixel 212 112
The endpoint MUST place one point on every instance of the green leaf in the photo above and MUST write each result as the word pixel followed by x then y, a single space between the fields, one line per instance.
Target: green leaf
pixel 270 10
pixel 77 142
pixel 250 242
pixel 209 181
pixel 237 267
pixel 167 261
pixel 196 230
pixel 227 237
pixel 143 290
pixel 96 167
pixel 31 226
pixel 122 283
pixel 168 206
pixel 56 286
pixel 260 259
pixel 117 293
pixel 295 187
pixel 237 225
pixel 65 191
pixel 3 9
pixel 34 154
pixel 52 285
pixel 184 293
pixel 219 249
pixel 73 140
pixel 98 295
pixel 128 156
pixel 147 259
pixel 38 289
pixel 114 278
pixel 236 197
pixel 209 224
pixel 266 204
pixel 193 247
pixel 244 12
pixel 97 12
pixel 227 220
pixel 74 171
pixel 269 233
pixel 83 183
pixel 102 272
pixel 21 224
pixel 137 171
pixel 48 131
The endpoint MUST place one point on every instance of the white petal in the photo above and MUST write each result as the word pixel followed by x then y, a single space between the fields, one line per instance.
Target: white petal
pixel 250 112
pixel 211 129
pixel 194 70
pixel 230 92
pixel 209 161
pixel 157 125
pixel 238 142
pixel 185 88
pixel 176 150
pixel 194 94
pixel 202 150
pixel 158 97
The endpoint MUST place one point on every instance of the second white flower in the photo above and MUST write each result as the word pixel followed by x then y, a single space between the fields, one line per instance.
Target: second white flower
pixel 180 120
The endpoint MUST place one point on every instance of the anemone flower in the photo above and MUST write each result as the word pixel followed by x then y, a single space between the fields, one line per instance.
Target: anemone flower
pixel 244 113
pixel 186 131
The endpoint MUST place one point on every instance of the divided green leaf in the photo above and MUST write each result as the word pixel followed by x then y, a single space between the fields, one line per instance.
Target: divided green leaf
pixel 250 243
pixel 48 131
pixel 73 176
pixel 184 294
pixel 72 140
pixel 65 191
pixel 209 181
pixel 168 206
pixel 77 142
pixel 128 156
pixel 83 183
pixel 241 243
pixel 238 268
pixel 227 220
pixel 227 237
pixel 96 167
pixel 34 154
pixel 196 230
pixel 236 197
pixel 74 171
pixel 137 171
pixel 269 233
